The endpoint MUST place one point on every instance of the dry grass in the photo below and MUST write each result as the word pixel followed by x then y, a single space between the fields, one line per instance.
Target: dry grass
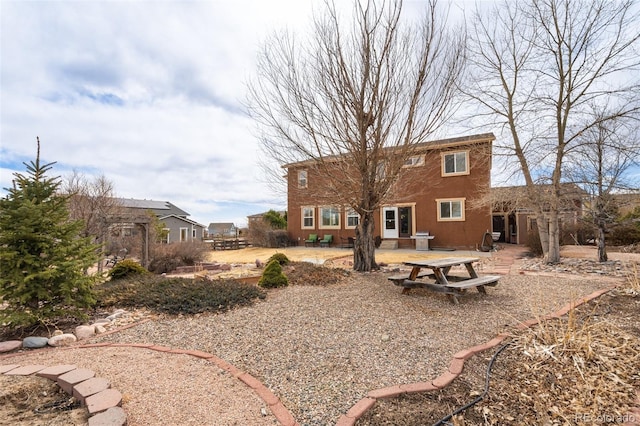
pixel 632 283
pixel 579 367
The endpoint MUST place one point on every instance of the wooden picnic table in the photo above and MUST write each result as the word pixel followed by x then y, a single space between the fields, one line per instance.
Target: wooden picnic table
pixel 438 270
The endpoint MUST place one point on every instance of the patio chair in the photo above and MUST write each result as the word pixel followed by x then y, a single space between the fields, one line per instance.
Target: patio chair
pixel 313 239
pixel 326 240
pixel 347 242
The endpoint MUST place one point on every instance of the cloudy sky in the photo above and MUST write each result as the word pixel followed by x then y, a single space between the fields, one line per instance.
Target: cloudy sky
pixel 148 93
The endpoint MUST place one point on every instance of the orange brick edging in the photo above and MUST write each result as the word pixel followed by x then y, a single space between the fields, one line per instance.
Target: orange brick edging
pixel 101 401
pixel 455 367
pixel 282 415
pixel 280 412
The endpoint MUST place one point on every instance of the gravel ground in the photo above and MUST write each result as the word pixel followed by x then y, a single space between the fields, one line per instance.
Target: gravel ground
pixel 321 349
pixel 162 389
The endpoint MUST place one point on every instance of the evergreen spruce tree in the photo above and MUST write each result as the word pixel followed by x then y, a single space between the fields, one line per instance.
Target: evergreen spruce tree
pixel 43 260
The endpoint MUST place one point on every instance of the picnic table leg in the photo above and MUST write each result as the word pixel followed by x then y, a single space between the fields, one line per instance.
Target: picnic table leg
pixel 412 276
pixel 453 298
pixel 472 272
pixel 441 276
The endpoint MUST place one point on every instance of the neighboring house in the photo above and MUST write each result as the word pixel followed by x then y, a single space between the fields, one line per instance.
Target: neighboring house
pixel 259 217
pixel 181 229
pixel 513 216
pixel 222 230
pixel 627 202
pixel 178 226
pixel 437 192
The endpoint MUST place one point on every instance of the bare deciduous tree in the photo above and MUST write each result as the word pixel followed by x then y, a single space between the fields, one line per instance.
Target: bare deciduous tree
pixel 93 202
pixel 536 66
pixel 600 164
pixel 357 94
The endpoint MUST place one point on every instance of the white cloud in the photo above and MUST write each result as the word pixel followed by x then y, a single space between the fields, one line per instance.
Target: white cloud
pixel 147 93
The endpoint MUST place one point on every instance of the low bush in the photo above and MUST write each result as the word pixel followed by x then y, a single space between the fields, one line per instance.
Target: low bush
pixel 126 268
pixel 168 257
pixel 534 244
pixel 305 273
pixel 281 258
pixel 272 276
pixel 176 295
pixel 625 233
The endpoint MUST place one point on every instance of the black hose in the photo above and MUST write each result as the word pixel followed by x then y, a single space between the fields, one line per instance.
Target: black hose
pixel 446 419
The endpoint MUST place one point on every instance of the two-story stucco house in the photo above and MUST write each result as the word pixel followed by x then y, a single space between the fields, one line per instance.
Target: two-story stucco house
pixel 438 191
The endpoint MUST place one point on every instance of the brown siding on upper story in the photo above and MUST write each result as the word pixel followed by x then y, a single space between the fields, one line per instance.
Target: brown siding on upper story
pixel 419 187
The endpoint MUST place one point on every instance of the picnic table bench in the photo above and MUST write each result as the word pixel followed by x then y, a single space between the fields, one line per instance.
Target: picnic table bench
pixel 438 270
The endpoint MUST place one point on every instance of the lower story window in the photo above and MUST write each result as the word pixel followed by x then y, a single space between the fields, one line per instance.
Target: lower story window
pixel 164 237
pixel 308 217
pixel 452 210
pixel 330 217
pixel 353 218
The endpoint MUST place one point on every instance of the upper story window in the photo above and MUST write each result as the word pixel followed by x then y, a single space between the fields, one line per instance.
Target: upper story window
pixel 381 170
pixel 451 210
pixel 329 217
pixel 352 218
pixel 308 218
pixel 455 163
pixel 302 179
pixel 414 161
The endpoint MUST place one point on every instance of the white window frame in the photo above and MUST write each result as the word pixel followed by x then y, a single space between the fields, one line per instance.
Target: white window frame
pixel 414 161
pixel 184 232
pixel 194 233
pixel 333 216
pixel 350 214
pixel 303 181
pixel 451 202
pixel 455 162
pixel 166 239
pixel 312 210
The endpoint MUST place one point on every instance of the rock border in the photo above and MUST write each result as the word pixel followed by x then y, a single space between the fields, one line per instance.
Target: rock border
pixel 95 394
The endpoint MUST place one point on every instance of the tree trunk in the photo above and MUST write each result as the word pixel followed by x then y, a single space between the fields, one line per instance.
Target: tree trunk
pixel 553 255
pixel 602 248
pixel 543 231
pixel 364 248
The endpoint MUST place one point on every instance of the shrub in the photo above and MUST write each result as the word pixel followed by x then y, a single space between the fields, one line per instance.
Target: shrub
pixel 281 258
pixel 534 244
pixel 278 238
pixel 305 273
pixel 580 233
pixel 272 276
pixel 177 295
pixel 167 257
pixel 624 233
pixel 126 268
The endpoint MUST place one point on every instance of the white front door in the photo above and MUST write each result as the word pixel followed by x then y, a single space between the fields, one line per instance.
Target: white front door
pixel 390 222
